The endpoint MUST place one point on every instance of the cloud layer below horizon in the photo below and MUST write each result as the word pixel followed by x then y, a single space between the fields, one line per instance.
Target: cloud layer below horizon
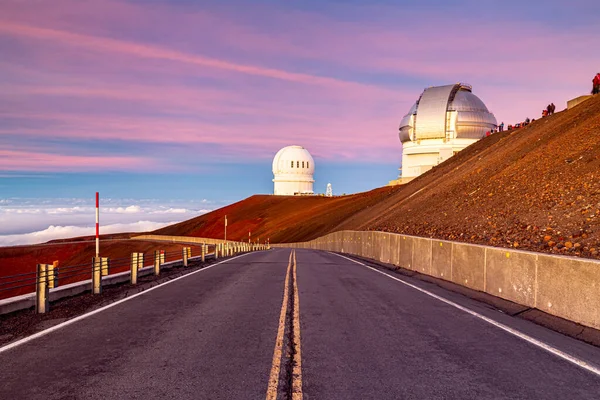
pixel 28 221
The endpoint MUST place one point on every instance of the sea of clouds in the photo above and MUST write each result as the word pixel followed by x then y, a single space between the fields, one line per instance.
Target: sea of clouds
pixel 30 221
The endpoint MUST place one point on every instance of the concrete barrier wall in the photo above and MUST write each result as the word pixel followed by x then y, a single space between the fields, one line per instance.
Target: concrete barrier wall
pixel 468 265
pixel 441 259
pixel 567 287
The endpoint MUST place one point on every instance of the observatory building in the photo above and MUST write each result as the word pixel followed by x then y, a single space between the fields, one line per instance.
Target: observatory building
pixel 443 121
pixel 293 167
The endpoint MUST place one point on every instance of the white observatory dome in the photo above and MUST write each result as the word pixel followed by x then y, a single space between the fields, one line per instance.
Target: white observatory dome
pixel 443 121
pixel 293 168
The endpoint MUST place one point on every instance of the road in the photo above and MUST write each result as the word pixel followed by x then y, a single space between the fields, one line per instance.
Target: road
pixel 349 332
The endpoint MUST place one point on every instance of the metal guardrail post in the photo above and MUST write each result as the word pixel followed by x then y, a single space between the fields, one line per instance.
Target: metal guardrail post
pixel 96 275
pixel 133 269
pixel 51 274
pixel 157 259
pixel 104 268
pixel 216 251
pixel 203 252
pixel 137 262
pixel 41 289
pixel 185 257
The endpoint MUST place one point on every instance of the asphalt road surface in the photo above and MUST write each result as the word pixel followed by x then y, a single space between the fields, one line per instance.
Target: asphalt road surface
pixel 358 334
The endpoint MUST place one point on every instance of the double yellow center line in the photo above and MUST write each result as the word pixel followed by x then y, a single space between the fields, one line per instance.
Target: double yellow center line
pixel 297 361
pixel 295 354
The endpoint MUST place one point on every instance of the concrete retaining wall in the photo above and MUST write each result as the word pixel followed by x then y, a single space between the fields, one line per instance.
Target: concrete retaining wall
pixel 567 287
pixel 578 100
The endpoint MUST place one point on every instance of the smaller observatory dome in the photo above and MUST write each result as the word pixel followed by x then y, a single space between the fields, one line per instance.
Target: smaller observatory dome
pixel 293 168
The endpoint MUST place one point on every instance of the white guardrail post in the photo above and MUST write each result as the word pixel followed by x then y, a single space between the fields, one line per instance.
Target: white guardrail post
pixel 96 275
pixel 137 262
pixel 104 268
pixel 157 259
pixel 41 289
pixel 185 256
pixel 51 274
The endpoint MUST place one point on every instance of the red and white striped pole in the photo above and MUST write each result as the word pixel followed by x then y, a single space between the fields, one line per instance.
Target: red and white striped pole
pixel 97 225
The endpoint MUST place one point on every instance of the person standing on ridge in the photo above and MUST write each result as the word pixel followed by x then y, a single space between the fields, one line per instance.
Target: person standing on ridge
pixel 501 127
pixel 596 82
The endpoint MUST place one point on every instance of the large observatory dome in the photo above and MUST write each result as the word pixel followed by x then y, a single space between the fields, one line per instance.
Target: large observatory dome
pixel 443 121
pixel 293 168
pixel 446 112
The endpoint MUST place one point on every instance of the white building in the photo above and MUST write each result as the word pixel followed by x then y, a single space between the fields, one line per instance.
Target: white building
pixel 443 121
pixel 293 167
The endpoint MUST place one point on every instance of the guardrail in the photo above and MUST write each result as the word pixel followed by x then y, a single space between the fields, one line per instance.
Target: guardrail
pixel 567 287
pixel 53 281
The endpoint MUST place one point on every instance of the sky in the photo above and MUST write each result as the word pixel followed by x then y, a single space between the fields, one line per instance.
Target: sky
pixel 174 108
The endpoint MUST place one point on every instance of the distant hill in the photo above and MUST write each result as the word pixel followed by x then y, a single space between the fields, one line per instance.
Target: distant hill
pixel 279 218
pixel 534 188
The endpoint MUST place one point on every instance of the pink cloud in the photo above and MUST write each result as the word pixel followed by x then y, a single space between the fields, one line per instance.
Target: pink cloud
pixel 14 160
pixel 104 44
pixel 326 137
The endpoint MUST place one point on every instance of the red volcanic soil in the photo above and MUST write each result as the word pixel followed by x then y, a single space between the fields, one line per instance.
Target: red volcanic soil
pixel 279 218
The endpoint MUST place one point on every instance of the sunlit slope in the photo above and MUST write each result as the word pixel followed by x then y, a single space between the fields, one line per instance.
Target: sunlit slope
pixel 536 188
pixel 279 218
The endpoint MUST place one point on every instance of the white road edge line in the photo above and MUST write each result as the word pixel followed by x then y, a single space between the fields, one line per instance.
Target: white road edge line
pixel 83 316
pixel 519 334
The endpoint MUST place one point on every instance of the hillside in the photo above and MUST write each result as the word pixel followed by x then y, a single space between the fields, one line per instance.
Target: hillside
pixel 279 218
pixel 534 188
